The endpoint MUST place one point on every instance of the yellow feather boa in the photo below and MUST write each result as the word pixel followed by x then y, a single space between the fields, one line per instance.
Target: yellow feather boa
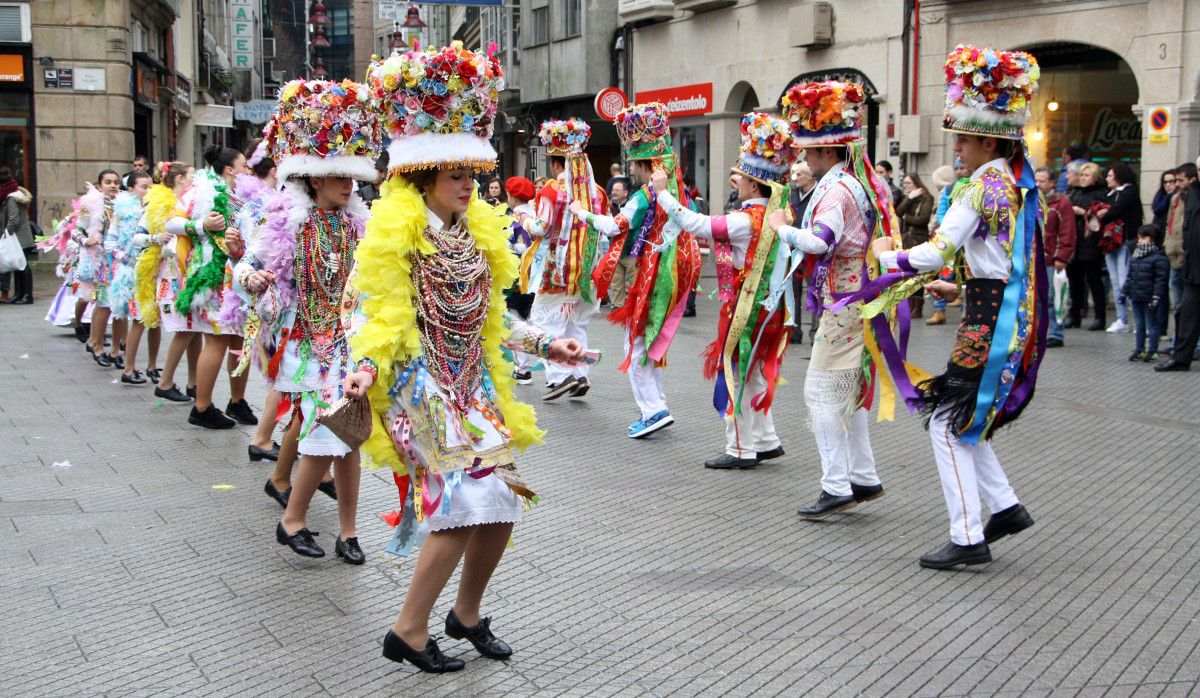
pixel 159 203
pixel 383 276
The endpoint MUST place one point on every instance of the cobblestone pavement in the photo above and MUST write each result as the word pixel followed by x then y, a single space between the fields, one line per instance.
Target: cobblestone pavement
pixel 641 573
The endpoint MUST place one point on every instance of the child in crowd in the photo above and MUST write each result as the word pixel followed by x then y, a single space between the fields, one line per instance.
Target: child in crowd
pixel 1146 287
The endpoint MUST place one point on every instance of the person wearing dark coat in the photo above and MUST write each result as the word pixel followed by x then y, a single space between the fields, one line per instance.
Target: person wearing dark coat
pixel 1084 273
pixel 1161 205
pixel 1125 206
pixel 1146 288
pixel 1189 303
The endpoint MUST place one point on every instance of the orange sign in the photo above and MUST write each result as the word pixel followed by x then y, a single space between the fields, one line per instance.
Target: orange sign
pixel 12 68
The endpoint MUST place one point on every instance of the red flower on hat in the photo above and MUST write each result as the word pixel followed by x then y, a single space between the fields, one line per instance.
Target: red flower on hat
pixel 467 69
pixel 434 107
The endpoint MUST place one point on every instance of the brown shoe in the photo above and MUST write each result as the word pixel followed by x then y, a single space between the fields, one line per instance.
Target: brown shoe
pixel 956 303
pixel 937 318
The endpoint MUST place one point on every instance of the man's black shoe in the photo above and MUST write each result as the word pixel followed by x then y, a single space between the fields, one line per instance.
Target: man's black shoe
pixel 1172 365
pixel 728 462
pixel 827 504
pixel 241 412
pixel 952 555
pixel 769 455
pixel 1007 522
pixel 1054 342
pixel 171 394
pixel 211 418
pixel 1096 326
pixel 135 378
pixel 866 493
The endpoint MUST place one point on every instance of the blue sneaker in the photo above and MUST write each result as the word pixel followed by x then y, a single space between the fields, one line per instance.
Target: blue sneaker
pixel 646 427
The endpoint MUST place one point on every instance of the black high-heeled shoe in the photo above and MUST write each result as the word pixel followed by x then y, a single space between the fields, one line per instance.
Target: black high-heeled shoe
pixel 430 659
pixel 480 636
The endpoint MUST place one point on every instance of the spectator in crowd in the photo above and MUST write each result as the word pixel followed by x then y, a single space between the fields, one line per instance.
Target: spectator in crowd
pixel 625 273
pixel 14 220
pixel 1185 176
pixel 494 192
pixel 883 168
pixel 915 209
pixel 1084 273
pixel 1161 205
pixel 1125 208
pixel 1146 288
pixel 140 163
pixel 803 184
pixel 1188 315
pixel 1072 154
pixel 614 171
pixel 1058 241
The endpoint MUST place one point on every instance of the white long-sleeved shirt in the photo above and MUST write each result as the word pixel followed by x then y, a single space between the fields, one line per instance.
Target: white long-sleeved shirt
pixel 985 254
pixel 737 224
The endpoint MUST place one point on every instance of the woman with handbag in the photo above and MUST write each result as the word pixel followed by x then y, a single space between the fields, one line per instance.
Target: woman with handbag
pixel 1120 223
pixel 1085 272
pixel 431 273
pixel 14 220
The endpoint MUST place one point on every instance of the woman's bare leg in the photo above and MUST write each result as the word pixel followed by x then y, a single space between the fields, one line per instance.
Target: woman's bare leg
pixel 346 474
pixel 180 343
pixel 438 558
pixel 237 384
pixel 209 367
pixel 282 477
pixel 312 469
pixel 266 423
pixel 131 346
pixel 482 556
pixel 119 327
pixel 193 358
pixel 153 340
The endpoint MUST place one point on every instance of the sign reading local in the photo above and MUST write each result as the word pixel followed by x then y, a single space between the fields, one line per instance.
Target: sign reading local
pixel 685 100
pixel 243 34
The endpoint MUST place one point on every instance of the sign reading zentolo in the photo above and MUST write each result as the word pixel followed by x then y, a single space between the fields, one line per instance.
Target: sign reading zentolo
pixel 243 34
pixel 685 100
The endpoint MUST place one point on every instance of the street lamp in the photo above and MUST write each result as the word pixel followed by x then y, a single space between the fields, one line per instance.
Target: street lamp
pixel 317 17
pixel 319 39
pixel 412 19
pixel 318 70
pixel 397 37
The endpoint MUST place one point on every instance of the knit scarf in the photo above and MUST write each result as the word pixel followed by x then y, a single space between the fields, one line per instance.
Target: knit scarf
pixel 1143 249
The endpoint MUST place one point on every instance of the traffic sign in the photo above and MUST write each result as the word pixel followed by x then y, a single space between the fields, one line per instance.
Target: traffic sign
pixel 1160 125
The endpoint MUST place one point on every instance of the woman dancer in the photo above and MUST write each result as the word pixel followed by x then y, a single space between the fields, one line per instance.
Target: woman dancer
pixel 120 245
pixel 160 274
pixel 432 272
pixel 92 270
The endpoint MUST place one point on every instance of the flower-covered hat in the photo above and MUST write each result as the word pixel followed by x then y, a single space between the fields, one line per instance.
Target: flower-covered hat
pixel 644 130
pixel 323 129
pixel 824 113
pixel 438 106
pixel 568 137
pixel 988 92
pixel 767 151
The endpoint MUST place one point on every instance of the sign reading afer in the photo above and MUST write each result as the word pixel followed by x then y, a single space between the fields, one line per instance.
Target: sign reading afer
pixel 685 100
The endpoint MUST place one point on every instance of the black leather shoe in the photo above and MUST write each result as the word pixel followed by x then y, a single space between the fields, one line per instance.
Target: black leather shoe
pixel 581 387
pixel 1054 342
pixel 1072 323
pixel 1172 365
pixel 274 493
pixel 865 493
pixel 769 455
pixel 154 374
pixel 257 454
pixel 102 360
pixel 82 333
pixel 349 551
pixel 211 418
pixel 135 378
pixel 301 542
pixel 1007 522
pixel 430 659
pixel 191 391
pixel 1136 355
pixel 728 462
pixel 827 504
pixel 329 488
pixel 952 555
pixel 1096 326
pixel 22 300
pixel 241 412
pixel 480 636
pixel 171 394
pixel 117 362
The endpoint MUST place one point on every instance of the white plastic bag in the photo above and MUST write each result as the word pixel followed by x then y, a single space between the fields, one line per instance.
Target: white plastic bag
pixel 12 258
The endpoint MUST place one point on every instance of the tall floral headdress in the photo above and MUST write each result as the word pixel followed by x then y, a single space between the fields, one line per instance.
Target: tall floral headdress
pixel 324 128
pixel 767 150
pixel 988 91
pixel 824 113
pixel 568 137
pixel 438 106
pixel 644 130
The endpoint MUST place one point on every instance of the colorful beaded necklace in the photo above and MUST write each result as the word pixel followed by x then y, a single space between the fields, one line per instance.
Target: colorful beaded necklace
pixel 324 256
pixel 452 287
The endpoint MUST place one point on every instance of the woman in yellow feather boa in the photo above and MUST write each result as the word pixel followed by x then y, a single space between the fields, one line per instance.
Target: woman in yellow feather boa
pixel 450 441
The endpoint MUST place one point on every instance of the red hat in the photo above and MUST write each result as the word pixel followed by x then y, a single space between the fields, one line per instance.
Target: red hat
pixel 519 188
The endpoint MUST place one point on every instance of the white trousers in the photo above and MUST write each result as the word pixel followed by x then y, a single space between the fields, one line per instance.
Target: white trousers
pixel 840 430
pixel 968 472
pixel 646 380
pixel 752 432
pixel 564 318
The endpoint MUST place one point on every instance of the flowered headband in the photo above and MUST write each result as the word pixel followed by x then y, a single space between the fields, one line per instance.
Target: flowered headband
pixel 767 150
pixel 324 129
pixel 824 113
pixel 644 130
pixel 439 106
pixel 988 91
pixel 568 137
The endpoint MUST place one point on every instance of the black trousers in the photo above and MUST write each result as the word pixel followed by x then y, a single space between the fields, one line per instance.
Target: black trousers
pixel 22 280
pixel 1084 277
pixel 1188 321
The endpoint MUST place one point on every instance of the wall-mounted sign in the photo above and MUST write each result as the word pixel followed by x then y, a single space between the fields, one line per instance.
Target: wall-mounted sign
pixel 12 68
pixel 91 79
pixel 216 115
pixel 609 101
pixel 59 77
pixel 1159 125
pixel 256 111
pixel 685 100
pixel 242 21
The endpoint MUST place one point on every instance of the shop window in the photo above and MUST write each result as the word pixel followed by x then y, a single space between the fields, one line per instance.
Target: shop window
pixel 539 26
pixel 571 11
pixel 11 25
